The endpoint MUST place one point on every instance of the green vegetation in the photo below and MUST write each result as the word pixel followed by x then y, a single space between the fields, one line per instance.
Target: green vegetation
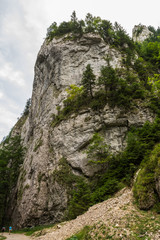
pixel 115 171
pixel 11 158
pixel 154 82
pixel 77 188
pixel 38 144
pixel 133 225
pixel 149 50
pixel 98 151
pixel 88 80
pixel 81 235
pixel 27 107
pixel 108 78
pixel 30 231
pixel 145 190
pixel 139 30
pixel 2 237
pixel 117 87
pixel 114 35
pixel 137 81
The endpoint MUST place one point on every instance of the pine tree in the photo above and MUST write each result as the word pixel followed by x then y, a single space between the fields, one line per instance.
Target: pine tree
pixel 88 80
pixel 27 107
pixel 108 77
pixel 76 25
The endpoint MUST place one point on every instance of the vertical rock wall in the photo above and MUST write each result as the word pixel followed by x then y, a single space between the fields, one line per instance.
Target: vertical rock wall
pixel 60 63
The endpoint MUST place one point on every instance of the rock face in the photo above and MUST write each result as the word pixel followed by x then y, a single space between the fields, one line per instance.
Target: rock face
pixel 59 64
pixel 140 33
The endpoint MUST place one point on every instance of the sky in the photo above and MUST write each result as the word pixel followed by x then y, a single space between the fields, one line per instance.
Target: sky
pixel 23 27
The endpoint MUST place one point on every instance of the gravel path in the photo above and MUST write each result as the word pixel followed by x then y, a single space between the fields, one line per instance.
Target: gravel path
pixel 13 236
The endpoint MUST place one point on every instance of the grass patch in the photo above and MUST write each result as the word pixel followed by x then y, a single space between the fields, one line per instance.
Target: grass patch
pixel 83 234
pixel 30 231
pixel 2 237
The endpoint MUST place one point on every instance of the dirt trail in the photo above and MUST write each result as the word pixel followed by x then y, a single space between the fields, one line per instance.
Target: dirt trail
pixel 13 236
pixel 108 211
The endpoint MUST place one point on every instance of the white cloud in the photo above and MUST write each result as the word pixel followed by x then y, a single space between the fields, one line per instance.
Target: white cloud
pixel 1 95
pixel 7 73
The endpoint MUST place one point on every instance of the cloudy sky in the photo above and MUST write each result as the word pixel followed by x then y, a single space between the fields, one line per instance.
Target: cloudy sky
pixel 23 25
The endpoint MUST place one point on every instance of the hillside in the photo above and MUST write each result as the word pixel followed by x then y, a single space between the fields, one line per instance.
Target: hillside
pixel 92 122
pixel 116 218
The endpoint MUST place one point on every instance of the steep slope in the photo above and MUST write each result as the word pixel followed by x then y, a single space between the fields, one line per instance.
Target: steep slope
pixel 60 63
pixel 116 218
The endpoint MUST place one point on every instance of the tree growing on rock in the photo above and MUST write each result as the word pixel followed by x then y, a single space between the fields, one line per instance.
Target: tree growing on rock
pixel 88 80
pixel 108 77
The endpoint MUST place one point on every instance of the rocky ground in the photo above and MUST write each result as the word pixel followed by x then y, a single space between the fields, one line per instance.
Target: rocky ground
pixel 13 236
pixel 116 218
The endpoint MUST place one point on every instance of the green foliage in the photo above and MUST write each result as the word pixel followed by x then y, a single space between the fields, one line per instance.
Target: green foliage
pixel 74 93
pixel 2 237
pixel 114 35
pixel 122 38
pixel 145 186
pixel 106 31
pixel 143 69
pixel 98 151
pixel 83 234
pixel 64 175
pixel 11 158
pixel 122 167
pixel 149 50
pixel 88 80
pixel 89 21
pixel 74 26
pixel 119 87
pixel 30 231
pixel 77 188
pixel 80 199
pixel 98 101
pixel 12 152
pixel 38 144
pixel 27 107
pixel 139 30
pixel 138 79
pixel 151 53
pixel 154 82
pixel 108 78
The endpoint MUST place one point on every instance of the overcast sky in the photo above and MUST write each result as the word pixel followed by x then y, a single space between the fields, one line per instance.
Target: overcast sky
pixel 23 26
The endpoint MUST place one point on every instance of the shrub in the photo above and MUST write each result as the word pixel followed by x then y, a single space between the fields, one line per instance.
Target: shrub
pixel 145 185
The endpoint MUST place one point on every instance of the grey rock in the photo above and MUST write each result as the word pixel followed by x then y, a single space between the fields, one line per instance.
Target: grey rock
pixel 140 33
pixel 59 64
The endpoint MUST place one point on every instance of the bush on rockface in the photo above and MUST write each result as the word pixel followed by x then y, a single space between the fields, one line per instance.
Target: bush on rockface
pixel 115 35
pixel 145 191
pixel 116 87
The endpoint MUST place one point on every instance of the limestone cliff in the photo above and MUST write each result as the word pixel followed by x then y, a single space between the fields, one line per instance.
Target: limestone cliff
pixel 60 63
pixel 140 33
